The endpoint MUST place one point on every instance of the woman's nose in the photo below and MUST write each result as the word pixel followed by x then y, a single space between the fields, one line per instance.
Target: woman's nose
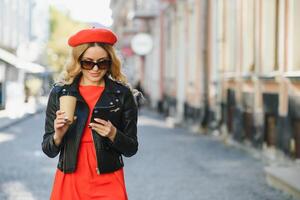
pixel 95 68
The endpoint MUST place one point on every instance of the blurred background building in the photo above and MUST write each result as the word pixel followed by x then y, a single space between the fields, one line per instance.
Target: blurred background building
pixel 23 37
pixel 210 65
pixel 219 64
pixel 223 67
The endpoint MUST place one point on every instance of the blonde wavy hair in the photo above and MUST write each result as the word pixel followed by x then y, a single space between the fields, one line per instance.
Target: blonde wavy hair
pixel 72 68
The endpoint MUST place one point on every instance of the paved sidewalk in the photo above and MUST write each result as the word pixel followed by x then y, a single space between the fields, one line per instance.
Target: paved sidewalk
pixel 18 111
pixel 281 172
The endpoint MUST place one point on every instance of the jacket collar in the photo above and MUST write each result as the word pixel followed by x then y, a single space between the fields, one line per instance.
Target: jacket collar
pixel 110 85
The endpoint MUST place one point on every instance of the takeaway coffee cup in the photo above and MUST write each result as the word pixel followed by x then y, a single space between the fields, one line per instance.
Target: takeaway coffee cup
pixel 68 104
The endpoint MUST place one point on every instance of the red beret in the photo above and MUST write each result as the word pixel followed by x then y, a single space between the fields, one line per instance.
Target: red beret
pixel 93 35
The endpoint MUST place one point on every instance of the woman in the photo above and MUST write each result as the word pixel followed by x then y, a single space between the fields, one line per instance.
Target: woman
pixel 90 150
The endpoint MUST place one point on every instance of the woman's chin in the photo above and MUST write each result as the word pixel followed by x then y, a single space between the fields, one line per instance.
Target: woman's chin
pixel 95 78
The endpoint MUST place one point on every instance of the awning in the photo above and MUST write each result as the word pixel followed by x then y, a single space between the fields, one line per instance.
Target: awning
pixel 19 63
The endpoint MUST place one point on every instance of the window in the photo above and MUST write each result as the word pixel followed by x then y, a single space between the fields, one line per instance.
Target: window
pixel 296 35
pixel 192 38
pixel 269 35
pixel 231 35
pixel 248 36
pixel 1 20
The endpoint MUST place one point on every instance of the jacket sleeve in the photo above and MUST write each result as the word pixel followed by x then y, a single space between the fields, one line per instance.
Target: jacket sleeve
pixel 125 140
pixel 48 145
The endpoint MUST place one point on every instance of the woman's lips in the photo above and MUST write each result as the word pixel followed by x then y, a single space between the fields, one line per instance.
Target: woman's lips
pixel 94 74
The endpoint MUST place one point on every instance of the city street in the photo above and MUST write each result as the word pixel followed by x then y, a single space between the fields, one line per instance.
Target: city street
pixel 171 164
pixel 227 64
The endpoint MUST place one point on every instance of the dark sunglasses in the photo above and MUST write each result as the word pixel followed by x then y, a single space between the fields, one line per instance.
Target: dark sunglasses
pixel 101 64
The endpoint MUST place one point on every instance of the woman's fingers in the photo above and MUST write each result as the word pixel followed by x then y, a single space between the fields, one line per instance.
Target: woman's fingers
pixel 60 112
pixel 107 130
pixel 60 125
pixel 61 121
pixel 101 121
pixel 100 129
pixel 60 117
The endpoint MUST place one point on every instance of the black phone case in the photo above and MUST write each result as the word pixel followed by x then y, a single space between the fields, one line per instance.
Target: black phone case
pixel 102 113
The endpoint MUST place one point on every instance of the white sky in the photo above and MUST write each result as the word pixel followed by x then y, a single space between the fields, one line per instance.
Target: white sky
pixel 87 10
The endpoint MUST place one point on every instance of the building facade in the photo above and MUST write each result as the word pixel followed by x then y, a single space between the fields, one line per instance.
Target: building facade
pixel 260 73
pixel 23 36
pixel 222 64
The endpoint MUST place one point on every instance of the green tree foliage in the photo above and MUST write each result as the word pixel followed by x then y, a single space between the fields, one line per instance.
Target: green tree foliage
pixel 61 27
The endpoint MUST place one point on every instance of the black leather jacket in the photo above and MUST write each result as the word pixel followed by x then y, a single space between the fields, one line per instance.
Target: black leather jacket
pixel 108 154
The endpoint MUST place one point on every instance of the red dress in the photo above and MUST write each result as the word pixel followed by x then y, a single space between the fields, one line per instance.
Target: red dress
pixel 85 183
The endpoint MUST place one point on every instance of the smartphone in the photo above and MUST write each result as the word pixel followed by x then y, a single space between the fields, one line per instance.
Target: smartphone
pixel 101 112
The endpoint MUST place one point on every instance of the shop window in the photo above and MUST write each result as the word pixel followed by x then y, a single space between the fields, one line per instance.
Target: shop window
pixel 230 109
pixel 1 96
pixel 270 130
pixel 297 138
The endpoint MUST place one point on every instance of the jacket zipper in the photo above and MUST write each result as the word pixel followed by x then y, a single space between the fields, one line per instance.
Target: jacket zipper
pixel 64 161
pixel 97 167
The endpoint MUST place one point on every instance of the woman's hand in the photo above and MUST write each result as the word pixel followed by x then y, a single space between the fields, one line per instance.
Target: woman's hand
pixel 60 126
pixel 104 128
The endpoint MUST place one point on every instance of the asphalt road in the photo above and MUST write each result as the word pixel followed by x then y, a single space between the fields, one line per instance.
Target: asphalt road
pixel 171 164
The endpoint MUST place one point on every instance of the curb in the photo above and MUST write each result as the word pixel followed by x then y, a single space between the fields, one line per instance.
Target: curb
pixel 285 179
